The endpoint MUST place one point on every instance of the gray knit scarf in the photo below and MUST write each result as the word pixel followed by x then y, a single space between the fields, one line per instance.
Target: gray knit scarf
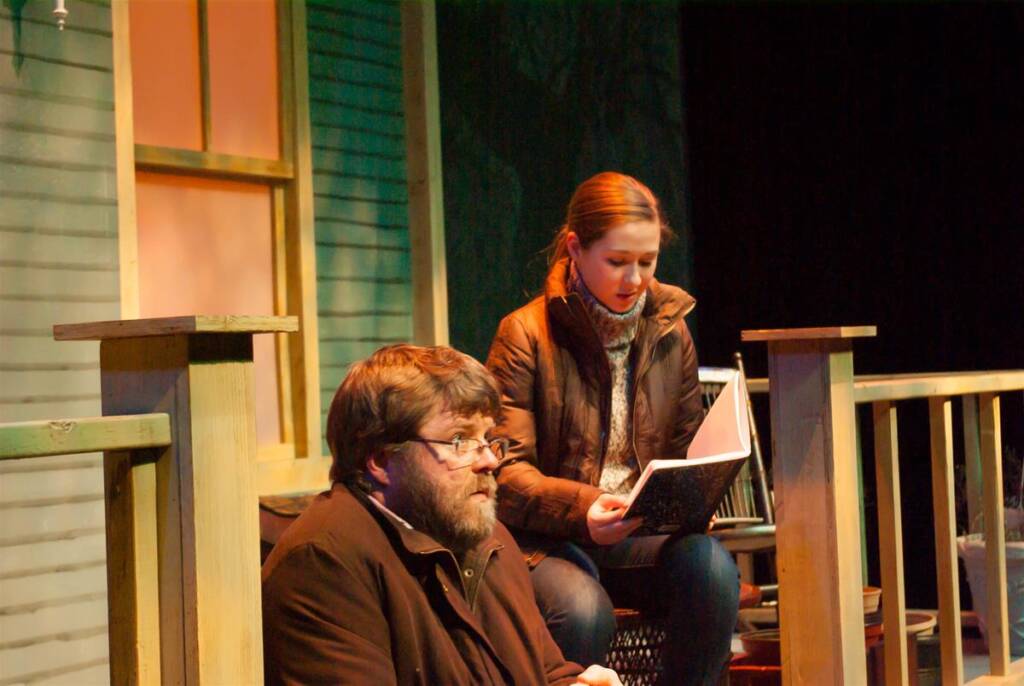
pixel 616 331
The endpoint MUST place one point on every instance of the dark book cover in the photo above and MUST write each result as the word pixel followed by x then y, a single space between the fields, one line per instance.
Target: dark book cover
pixel 681 495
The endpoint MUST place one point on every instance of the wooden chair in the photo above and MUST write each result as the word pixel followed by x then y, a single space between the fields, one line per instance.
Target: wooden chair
pixel 746 518
pixel 746 525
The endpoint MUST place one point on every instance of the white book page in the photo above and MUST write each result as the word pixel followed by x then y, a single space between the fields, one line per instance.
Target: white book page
pixel 723 435
pixel 725 431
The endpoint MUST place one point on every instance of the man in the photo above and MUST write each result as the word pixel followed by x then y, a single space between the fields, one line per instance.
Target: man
pixel 400 574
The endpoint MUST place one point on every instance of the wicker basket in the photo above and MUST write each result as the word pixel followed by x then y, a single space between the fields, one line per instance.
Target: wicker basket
pixel 635 652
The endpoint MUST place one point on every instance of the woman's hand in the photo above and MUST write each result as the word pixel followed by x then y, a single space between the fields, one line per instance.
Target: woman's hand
pixel 605 522
pixel 596 675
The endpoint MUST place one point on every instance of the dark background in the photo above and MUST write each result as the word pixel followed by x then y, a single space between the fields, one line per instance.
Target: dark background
pixel 824 164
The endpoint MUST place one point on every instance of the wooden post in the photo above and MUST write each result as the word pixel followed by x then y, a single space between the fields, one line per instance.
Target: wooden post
pixel 816 511
pixel 182 530
pixel 995 543
pixel 890 542
pixel 972 463
pixel 420 97
pixel 940 423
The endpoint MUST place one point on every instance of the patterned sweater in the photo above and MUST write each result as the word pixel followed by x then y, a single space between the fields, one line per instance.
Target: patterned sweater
pixel 616 331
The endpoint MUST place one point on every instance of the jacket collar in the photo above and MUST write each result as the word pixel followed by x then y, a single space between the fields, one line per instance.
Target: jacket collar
pixel 419 545
pixel 665 305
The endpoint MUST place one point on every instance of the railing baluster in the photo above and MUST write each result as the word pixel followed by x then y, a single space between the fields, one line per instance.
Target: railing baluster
pixel 941 421
pixel 133 603
pixel 890 538
pixel 972 462
pixel 997 625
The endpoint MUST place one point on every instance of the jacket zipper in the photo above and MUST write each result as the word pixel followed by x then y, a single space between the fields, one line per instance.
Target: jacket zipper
pixel 636 388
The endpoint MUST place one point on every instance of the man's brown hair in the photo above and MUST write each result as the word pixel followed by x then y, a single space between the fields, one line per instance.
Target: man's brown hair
pixel 386 398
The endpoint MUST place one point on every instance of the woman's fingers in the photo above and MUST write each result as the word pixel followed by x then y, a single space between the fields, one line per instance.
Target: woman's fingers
pixel 610 501
pixel 626 526
pixel 604 517
pixel 604 520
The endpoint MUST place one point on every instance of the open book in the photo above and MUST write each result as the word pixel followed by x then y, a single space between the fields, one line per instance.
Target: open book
pixel 682 494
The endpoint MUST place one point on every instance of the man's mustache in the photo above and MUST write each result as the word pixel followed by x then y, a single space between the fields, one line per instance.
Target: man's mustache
pixel 485 483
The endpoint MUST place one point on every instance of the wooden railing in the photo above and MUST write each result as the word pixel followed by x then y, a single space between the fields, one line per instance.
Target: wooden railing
pixel 813 398
pixel 179 443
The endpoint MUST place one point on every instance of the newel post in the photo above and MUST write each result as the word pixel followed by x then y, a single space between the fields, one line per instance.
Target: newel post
pixel 182 530
pixel 816 503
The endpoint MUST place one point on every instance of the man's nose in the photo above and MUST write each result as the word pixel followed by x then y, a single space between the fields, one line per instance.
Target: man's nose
pixel 486 460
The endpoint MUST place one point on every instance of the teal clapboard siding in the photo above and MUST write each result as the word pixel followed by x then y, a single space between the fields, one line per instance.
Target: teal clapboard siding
pixel 364 293
pixel 58 263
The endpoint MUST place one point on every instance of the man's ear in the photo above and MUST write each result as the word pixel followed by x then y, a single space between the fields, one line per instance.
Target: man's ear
pixel 572 245
pixel 377 468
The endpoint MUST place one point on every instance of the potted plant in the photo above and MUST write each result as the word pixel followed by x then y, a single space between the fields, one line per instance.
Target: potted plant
pixel 971 548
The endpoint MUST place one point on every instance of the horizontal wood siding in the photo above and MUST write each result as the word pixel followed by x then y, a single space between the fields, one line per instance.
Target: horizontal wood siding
pixel 364 294
pixel 58 264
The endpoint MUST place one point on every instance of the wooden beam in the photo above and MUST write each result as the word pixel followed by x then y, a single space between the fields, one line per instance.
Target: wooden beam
pixel 211 164
pixel 905 387
pixel 997 624
pixel 281 343
pixel 133 612
pixel 300 243
pixel 818 536
pixel 288 477
pixel 424 176
pixel 813 333
pixel 165 326
pixel 870 388
pixel 890 543
pixel 206 572
pixel 941 423
pixel 972 463
pixel 85 435
pixel 204 73
pixel 124 128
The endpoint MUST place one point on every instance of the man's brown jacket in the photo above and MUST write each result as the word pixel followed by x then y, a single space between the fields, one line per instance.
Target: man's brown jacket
pixel 556 399
pixel 352 596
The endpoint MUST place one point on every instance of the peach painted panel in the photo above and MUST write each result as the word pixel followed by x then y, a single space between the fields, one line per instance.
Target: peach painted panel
pixel 165 73
pixel 243 77
pixel 205 248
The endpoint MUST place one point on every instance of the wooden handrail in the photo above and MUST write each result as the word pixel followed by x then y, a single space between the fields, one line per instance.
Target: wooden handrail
pixel 84 435
pixel 869 388
pixel 813 398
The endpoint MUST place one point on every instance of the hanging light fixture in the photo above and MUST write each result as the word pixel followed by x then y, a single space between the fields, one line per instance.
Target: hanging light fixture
pixel 60 13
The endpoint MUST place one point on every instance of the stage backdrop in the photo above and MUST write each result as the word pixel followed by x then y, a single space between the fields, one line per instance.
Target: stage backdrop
pixel 535 98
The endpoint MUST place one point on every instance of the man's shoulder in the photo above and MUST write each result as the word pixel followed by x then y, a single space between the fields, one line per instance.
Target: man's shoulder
pixel 335 526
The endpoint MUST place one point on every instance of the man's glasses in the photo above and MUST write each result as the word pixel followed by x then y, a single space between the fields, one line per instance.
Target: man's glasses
pixel 467 450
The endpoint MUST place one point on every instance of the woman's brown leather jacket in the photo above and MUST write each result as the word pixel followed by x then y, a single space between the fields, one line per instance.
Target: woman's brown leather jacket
pixel 556 398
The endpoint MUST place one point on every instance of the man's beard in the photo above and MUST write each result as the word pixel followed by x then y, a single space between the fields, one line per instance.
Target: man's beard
pixel 444 510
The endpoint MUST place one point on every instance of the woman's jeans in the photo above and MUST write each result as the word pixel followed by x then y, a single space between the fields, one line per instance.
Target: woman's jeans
pixel 692 578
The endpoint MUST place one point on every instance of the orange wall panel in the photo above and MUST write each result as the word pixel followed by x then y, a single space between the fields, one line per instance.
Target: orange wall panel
pixel 165 73
pixel 243 77
pixel 205 247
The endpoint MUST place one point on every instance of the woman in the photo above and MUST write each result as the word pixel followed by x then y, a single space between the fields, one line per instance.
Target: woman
pixel 598 377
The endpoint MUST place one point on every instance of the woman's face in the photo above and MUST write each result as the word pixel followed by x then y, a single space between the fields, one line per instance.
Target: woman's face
pixel 618 267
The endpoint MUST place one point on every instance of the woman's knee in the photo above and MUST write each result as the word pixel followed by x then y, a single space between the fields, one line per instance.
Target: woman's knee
pixel 700 559
pixel 568 594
